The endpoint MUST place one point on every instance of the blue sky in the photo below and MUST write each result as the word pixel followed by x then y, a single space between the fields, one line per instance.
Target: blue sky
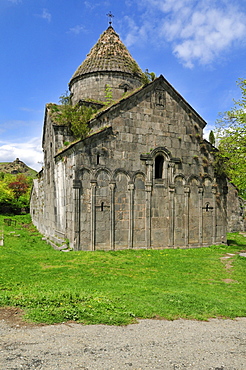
pixel 198 46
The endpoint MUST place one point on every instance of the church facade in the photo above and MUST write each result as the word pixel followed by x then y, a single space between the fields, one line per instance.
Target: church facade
pixel 144 177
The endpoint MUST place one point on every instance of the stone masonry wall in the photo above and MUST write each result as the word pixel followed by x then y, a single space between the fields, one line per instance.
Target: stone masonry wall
pixel 93 86
pixel 143 179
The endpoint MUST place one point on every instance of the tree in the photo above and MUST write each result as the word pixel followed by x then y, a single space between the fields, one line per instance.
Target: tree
pixel 14 193
pixel 211 137
pixel 6 194
pixel 19 186
pixel 231 133
pixel 147 77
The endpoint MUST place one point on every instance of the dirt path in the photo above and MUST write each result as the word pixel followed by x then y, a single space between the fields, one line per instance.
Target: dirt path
pixel 150 344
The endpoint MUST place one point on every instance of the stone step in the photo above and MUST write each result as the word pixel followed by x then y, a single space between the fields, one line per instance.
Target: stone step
pixel 57 243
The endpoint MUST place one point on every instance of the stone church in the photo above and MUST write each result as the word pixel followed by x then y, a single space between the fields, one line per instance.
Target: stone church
pixel 144 177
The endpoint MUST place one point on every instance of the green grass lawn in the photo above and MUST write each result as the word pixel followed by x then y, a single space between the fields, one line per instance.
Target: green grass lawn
pixel 119 287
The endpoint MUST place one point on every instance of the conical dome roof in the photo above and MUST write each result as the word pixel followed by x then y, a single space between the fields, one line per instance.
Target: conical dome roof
pixel 108 55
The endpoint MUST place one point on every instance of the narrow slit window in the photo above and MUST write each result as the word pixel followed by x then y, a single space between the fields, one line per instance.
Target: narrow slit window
pixel 159 161
pixel 98 158
pixel 102 205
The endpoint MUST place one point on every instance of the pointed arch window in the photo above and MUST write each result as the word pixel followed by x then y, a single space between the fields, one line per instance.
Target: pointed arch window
pixel 159 162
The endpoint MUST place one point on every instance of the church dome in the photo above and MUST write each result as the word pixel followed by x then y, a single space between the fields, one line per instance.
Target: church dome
pixel 108 63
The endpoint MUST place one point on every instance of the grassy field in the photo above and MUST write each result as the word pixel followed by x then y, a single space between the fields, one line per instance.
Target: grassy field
pixel 119 287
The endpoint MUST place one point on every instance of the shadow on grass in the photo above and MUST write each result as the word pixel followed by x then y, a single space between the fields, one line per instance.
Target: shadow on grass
pixel 236 240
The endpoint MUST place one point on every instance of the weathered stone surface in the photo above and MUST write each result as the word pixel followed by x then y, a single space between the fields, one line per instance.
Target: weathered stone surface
pixel 143 178
pixel 109 64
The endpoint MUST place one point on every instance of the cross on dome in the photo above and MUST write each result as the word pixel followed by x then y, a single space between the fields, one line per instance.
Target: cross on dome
pixel 110 16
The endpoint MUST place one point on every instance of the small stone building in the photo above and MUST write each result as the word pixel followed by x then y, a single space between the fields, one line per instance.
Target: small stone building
pixel 142 178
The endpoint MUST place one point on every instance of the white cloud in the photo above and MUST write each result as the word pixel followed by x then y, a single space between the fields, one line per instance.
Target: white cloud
pixel 132 36
pixel 77 29
pixel 29 152
pixel 92 5
pixel 137 32
pixel 207 35
pixel 198 31
pixel 46 15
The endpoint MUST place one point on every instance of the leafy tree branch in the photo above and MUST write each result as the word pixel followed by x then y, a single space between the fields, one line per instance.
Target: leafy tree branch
pixel 231 134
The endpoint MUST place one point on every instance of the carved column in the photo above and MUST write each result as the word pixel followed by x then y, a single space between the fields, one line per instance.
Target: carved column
pixel 149 165
pixel 171 215
pixel 171 172
pixel 93 214
pixel 214 191
pixel 131 220
pixel 200 234
pixel 76 214
pixel 148 189
pixel 112 216
pixel 186 216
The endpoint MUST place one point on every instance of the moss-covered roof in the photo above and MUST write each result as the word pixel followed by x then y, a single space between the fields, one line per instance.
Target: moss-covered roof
pixel 109 54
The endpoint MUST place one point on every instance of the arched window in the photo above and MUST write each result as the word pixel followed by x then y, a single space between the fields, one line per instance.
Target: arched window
pixel 159 160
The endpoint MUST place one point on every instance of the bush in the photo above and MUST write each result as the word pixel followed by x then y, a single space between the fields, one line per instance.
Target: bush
pixel 75 116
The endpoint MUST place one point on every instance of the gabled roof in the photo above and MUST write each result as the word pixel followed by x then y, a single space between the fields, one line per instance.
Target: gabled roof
pixel 161 81
pixel 109 54
pixel 158 83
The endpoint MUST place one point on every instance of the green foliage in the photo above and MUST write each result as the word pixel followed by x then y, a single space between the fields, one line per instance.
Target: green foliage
pixel 219 166
pixel 211 137
pixel 65 99
pixel 135 68
pixel 6 194
pixel 147 77
pixel 19 186
pixel 116 287
pixel 108 94
pixel 231 132
pixel 75 116
pixel 15 192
